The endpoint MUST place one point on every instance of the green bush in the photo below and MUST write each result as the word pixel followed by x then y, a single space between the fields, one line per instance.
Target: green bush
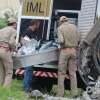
pixel 3 23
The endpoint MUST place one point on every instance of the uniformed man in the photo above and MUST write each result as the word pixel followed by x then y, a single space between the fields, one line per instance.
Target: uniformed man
pixel 7 45
pixel 68 38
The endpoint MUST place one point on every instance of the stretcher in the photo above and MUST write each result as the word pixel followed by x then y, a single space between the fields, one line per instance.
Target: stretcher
pixel 39 59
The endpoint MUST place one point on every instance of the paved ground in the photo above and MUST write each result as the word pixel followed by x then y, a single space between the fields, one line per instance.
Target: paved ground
pixel 60 98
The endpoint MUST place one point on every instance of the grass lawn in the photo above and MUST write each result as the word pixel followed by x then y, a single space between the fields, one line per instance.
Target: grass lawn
pixel 16 92
pixel 13 93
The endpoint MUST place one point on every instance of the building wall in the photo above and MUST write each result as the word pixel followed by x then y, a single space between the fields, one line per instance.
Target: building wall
pixel 87 16
pixel 4 4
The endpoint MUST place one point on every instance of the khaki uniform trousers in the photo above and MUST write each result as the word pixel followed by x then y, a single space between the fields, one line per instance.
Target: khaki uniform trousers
pixel 7 64
pixel 67 61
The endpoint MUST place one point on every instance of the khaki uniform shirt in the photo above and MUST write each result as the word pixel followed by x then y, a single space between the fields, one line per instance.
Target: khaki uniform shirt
pixel 68 35
pixel 8 35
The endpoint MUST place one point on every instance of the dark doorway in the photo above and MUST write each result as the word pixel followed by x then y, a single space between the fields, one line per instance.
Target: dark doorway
pixel 67 4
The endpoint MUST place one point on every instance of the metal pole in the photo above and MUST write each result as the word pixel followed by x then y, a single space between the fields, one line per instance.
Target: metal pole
pixel 49 22
pixel 19 21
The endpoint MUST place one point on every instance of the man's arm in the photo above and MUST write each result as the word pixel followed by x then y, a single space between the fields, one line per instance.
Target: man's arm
pixel 60 36
pixel 12 41
pixel 78 35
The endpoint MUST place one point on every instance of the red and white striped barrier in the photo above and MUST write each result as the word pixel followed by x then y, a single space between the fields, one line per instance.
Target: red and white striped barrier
pixel 40 73
pixel 45 74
